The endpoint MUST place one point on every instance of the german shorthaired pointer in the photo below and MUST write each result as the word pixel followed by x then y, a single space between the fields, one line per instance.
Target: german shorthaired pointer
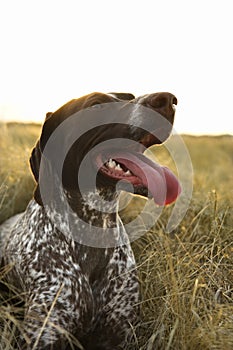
pixel 75 290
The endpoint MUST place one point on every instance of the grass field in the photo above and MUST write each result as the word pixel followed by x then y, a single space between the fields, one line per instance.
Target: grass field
pixel 186 276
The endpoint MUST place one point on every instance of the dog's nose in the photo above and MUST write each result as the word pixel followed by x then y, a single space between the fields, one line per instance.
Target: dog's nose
pixel 162 100
pixel 163 103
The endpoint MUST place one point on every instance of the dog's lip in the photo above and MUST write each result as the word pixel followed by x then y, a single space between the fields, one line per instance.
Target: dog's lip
pixel 156 137
pixel 142 172
pixel 150 139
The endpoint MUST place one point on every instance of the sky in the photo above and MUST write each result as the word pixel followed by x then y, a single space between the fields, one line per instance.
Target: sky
pixel 53 51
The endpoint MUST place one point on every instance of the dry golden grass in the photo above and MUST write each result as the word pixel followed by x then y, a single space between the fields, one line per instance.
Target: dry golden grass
pixel 16 182
pixel 187 281
pixel 186 276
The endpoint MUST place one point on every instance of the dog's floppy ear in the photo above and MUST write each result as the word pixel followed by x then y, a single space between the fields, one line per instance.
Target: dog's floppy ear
pixel 35 167
pixel 52 121
pixel 123 95
pixel 35 160
pixel 36 155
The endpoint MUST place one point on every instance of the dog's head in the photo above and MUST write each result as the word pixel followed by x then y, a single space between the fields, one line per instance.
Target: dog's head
pixel 108 133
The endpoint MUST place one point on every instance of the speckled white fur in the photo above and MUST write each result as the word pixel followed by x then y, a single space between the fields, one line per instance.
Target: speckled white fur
pixel 50 266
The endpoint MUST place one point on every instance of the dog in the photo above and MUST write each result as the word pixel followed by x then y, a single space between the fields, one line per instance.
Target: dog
pixel 69 251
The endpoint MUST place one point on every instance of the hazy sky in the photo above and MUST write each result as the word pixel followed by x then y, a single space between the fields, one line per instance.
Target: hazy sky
pixel 53 51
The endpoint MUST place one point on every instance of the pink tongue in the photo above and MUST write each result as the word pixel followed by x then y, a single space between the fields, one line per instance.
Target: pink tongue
pixel 160 181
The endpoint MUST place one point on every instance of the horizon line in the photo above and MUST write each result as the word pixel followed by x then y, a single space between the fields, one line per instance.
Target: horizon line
pixel 183 133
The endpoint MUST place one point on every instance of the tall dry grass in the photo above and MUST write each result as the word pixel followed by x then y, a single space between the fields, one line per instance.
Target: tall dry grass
pixel 16 182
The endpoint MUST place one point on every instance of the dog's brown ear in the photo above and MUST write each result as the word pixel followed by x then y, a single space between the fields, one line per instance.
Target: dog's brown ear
pixel 35 167
pixel 51 123
pixel 52 120
pixel 35 160
pixel 36 154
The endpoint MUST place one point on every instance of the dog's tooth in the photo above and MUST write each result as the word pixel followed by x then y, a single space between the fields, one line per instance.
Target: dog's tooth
pixel 128 172
pixel 111 163
pixel 118 167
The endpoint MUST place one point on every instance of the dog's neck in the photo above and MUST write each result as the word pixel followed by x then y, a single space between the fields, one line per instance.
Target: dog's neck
pixel 98 208
pixel 91 218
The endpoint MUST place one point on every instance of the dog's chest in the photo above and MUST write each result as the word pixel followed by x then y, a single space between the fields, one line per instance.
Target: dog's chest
pixel 104 264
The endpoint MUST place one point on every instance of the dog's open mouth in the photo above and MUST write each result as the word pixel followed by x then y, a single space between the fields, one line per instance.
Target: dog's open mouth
pixel 144 174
